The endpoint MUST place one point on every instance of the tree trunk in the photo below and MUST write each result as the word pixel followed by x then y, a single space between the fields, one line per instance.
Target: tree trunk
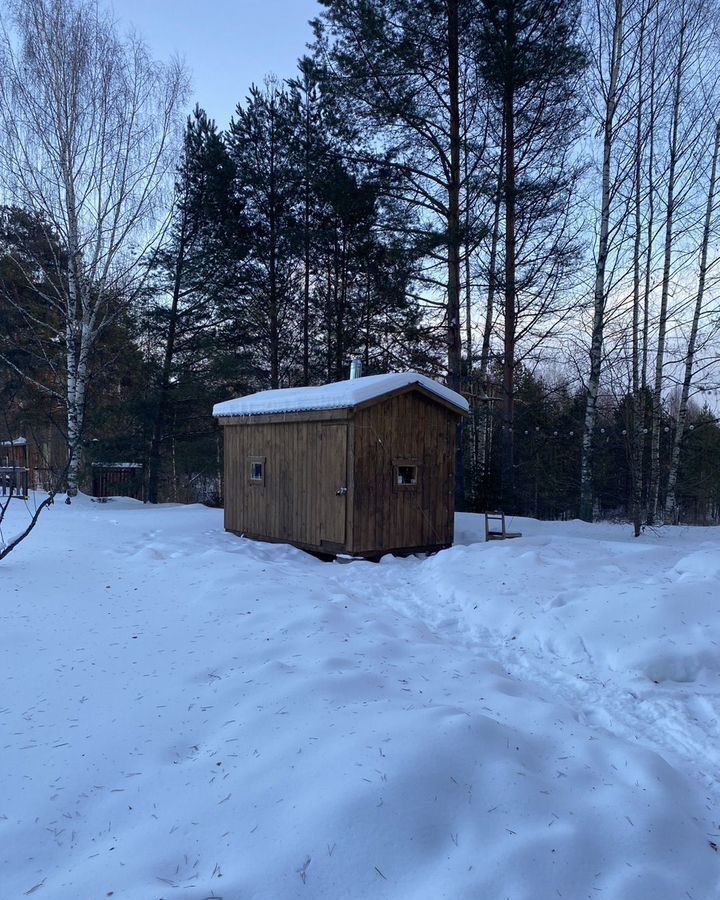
pixel 598 327
pixel 155 456
pixel 656 423
pixel 453 224
pixel 650 223
pixel 483 418
pixel 76 417
pixel 328 321
pixel 368 288
pixel 492 272
pixel 341 306
pixel 77 338
pixel 641 434
pixel 638 406
pixel 507 449
pixel 453 234
pixel 306 252
pixel 78 352
pixel 468 253
pixel 272 262
pixel 670 500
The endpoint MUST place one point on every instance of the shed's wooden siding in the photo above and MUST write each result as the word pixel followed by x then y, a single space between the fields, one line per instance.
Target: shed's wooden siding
pixel 409 426
pixel 308 456
pixel 297 501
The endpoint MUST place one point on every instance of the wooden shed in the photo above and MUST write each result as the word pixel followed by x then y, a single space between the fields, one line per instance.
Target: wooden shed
pixel 363 467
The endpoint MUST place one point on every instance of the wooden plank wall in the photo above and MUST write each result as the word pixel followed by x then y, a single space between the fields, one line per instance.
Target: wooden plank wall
pixel 298 496
pixel 413 427
pixel 14 482
pixel 288 506
pixel 333 478
pixel 46 449
pixel 17 456
pixel 118 482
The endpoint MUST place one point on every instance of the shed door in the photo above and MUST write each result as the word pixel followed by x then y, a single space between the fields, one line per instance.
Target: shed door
pixel 333 483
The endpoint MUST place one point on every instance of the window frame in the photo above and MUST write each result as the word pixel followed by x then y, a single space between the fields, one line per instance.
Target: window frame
pixel 253 461
pixel 403 463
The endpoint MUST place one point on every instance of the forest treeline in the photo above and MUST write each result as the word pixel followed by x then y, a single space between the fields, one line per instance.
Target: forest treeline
pixel 515 196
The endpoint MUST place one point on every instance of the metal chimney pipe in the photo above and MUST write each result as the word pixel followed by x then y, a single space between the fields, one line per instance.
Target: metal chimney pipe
pixel 355 368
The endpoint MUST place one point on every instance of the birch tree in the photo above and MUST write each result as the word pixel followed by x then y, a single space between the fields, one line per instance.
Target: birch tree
pixel 670 501
pixel 611 68
pixel 691 111
pixel 87 120
pixel 670 209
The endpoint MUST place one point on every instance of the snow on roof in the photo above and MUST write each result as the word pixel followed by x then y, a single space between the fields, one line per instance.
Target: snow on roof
pixel 15 442
pixel 340 395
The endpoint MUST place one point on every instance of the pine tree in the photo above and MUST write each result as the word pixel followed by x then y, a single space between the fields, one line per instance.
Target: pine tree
pixel 530 60
pixel 396 65
pixel 268 190
pixel 193 270
pixel 312 146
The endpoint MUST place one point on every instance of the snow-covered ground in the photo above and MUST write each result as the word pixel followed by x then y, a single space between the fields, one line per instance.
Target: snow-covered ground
pixel 188 714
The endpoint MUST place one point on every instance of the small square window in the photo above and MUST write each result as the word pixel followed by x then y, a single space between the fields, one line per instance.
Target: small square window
pixel 406 474
pixel 256 470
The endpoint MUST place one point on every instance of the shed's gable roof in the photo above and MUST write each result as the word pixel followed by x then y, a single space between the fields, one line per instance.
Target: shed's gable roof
pixel 341 395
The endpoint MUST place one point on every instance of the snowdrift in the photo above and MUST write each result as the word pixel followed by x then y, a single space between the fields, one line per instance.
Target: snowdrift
pixel 189 714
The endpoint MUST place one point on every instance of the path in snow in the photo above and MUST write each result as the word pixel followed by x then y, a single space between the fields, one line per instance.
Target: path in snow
pixel 603 643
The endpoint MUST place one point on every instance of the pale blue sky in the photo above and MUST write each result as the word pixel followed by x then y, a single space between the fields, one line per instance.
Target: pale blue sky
pixel 227 44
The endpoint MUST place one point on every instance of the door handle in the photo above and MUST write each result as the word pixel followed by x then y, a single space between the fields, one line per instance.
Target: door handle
pixel 341 492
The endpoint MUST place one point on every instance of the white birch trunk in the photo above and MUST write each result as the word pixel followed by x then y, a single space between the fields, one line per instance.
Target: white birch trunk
pixel 86 122
pixel 670 500
pixel 599 293
pixel 654 488
pixel 638 399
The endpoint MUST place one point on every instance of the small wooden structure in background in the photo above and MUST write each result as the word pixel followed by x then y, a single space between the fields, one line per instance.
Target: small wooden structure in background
pixel 14 468
pixel 363 467
pixel 118 480
pixel 42 451
pixel 495 529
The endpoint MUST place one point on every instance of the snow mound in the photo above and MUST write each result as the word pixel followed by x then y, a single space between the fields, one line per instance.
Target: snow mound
pixel 701 565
